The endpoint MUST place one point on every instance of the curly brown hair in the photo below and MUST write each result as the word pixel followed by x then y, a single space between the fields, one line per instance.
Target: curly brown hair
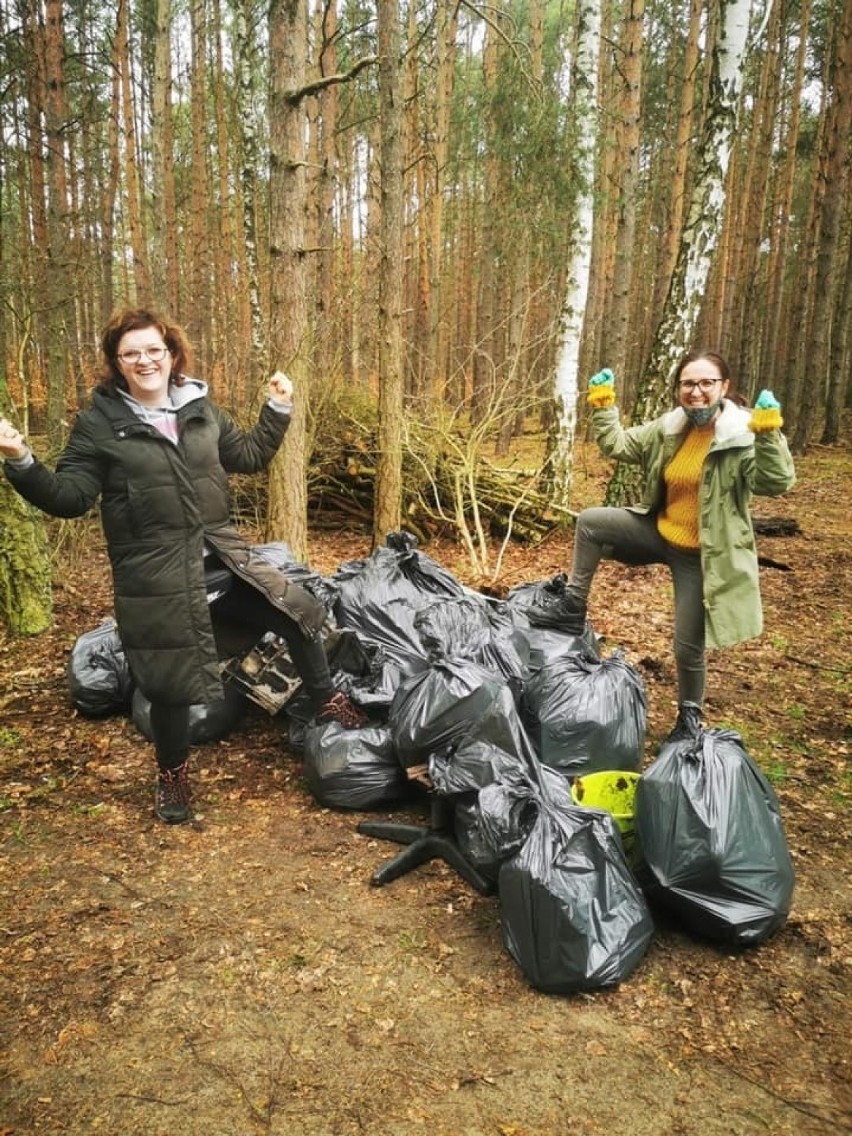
pixel 136 319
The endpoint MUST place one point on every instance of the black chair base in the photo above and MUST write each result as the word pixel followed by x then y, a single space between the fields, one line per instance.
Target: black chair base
pixel 422 844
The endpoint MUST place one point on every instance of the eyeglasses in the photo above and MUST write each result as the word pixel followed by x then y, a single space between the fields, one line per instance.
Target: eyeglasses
pixel 687 386
pixel 155 354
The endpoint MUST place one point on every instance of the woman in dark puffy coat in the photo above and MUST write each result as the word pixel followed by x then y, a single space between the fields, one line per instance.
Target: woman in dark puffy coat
pixel 157 452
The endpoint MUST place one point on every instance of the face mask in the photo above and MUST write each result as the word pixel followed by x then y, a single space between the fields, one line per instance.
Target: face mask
pixel 702 415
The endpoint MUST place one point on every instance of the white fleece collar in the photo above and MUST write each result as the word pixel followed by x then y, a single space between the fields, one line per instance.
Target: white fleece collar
pixel 731 425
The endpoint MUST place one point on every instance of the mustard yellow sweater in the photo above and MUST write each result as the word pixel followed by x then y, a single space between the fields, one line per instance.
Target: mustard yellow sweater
pixel 678 522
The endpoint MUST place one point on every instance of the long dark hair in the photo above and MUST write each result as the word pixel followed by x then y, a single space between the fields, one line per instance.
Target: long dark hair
pixel 136 319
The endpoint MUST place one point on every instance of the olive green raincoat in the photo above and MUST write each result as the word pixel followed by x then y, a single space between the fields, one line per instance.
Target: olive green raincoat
pixel 738 464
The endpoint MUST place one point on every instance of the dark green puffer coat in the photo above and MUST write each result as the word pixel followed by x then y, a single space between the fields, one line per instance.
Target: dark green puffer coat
pixel 160 504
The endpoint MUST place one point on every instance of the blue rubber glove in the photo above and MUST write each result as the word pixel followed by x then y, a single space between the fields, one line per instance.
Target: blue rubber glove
pixel 766 400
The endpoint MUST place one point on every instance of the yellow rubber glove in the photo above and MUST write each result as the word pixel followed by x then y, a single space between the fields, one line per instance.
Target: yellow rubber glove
pixel 601 389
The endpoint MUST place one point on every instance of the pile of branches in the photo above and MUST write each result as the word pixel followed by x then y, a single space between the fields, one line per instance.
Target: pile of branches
pixel 441 494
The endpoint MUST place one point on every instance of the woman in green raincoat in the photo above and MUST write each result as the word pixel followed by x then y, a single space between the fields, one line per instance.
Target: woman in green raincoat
pixel 701 462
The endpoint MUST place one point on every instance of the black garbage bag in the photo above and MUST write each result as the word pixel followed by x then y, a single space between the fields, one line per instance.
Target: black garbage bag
pixel 453 701
pixel 470 627
pixel 99 678
pixel 474 764
pixel 379 597
pixel 585 714
pixel 365 671
pixel 488 828
pixel 539 610
pixel 572 914
pixel 713 844
pixel 352 769
pixel 208 722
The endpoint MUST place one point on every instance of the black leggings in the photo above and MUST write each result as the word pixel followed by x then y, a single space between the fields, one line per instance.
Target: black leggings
pixel 247 606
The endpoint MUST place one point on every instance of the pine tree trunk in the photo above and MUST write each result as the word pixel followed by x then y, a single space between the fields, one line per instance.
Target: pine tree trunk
pixel 138 243
pixel 388 501
pixel 289 339
pixel 164 240
pixel 815 377
pixel 841 346
pixel 437 364
pixel 628 148
pixel 57 299
pixel 331 351
pixel 778 304
pixel 744 352
pixel 198 304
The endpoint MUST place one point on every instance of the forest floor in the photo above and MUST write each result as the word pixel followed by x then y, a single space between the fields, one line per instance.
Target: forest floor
pixel 240 974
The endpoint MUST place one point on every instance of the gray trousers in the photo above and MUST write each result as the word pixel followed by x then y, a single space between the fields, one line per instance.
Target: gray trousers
pixel 632 538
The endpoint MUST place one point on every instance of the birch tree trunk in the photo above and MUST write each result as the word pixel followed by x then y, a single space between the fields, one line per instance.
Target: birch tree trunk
pixel 248 67
pixel 702 226
pixel 229 353
pixel 595 321
pixel 584 101
pixel 386 516
pixel 677 192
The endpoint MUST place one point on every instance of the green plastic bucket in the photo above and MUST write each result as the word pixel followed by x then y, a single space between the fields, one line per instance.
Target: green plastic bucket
pixel 615 791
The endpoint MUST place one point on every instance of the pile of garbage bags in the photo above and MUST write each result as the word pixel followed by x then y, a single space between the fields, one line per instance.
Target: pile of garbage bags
pixel 498 707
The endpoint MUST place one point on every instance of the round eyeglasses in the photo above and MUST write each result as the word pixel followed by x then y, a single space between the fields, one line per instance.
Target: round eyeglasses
pixel 155 354
pixel 687 386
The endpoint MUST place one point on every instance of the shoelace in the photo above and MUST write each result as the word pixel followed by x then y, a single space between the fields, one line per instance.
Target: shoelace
pixel 342 710
pixel 174 786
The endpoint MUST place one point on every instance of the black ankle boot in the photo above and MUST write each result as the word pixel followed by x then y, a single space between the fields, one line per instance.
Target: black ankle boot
pixel 688 724
pixel 559 606
pixel 172 795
